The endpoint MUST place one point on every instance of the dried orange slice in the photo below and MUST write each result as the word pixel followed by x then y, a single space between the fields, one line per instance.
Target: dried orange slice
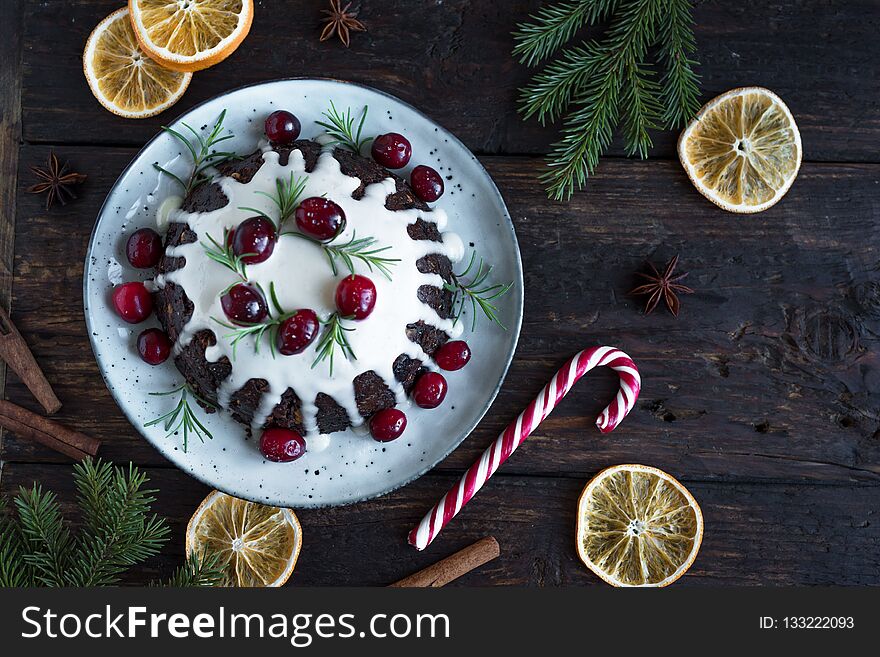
pixel 257 545
pixel 743 150
pixel 638 526
pixel 122 77
pixel 189 35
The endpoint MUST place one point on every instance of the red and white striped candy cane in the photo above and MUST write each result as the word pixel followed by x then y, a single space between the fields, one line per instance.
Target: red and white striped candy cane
pixel 520 429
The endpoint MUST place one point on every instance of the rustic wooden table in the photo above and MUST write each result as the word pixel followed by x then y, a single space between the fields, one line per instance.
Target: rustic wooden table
pixel 758 397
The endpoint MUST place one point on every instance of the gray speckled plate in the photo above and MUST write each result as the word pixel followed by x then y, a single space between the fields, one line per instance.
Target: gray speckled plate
pixel 353 467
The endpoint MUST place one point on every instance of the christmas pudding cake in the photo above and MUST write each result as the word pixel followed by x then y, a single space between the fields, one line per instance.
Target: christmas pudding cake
pixel 304 288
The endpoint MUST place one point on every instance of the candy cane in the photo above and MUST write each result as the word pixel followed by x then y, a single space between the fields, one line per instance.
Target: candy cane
pixel 520 429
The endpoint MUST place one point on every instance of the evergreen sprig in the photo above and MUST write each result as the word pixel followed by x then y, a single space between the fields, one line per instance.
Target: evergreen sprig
pixel 364 249
pixel 199 570
pixel 606 83
pixel 268 327
pixel 333 337
pixel 224 255
pixel 37 547
pixel 203 152
pixel 182 418
pixel 285 198
pixel 344 128
pixel 477 291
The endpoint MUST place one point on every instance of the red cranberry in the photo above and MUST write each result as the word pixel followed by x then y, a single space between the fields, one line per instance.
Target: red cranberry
pixel 453 355
pixel 429 390
pixel 297 332
pixel 391 150
pixel 388 424
pixel 244 304
pixel 426 183
pixel 355 296
pixel 282 445
pixel 256 237
pixel 132 302
pixel 144 248
pixel 320 218
pixel 282 127
pixel 154 346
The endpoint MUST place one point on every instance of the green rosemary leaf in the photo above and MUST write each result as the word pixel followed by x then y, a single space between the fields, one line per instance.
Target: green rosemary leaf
pixel 204 153
pixel 333 337
pixel 168 173
pixel 474 293
pixel 341 128
pixel 182 418
pixel 224 255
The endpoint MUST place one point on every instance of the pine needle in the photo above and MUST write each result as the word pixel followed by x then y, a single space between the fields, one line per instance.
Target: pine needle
pixel 199 570
pixel 680 85
pixel 118 532
pixel 606 83
pixel 553 25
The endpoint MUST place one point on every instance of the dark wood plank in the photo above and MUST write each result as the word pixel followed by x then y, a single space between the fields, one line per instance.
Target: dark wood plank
pixel 10 137
pixel 755 534
pixel 766 376
pixel 452 60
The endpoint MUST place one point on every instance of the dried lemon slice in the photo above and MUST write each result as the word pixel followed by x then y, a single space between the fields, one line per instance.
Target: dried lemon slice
pixel 638 526
pixel 257 545
pixel 122 77
pixel 743 150
pixel 189 35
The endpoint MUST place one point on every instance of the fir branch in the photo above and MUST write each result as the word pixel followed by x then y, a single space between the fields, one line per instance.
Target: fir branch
pixel 642 109
pixel 588 130
pixel 679 84
pixel 14 570
pixel 182 417
pixel 224 255
pixel 333 337
pixel 202 151
pixel 285 198
pixel 199 570
pixel 606 82
pixel 118 531
pixel 364 249
pixel 549 93
pixel 48 544
pixel 477 292
pixel 341 128
pixel 554 25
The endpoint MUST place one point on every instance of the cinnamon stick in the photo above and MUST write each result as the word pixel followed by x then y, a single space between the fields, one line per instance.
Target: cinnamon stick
pixel 31 426
pixel 16 353
pixel 454 566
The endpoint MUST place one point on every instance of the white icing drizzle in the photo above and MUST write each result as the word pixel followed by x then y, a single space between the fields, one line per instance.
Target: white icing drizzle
pixel 303 279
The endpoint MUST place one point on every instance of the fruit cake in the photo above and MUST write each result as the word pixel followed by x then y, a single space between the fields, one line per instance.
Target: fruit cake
pixel 233 264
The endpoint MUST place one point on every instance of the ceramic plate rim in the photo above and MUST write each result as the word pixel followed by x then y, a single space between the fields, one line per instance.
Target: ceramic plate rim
pixel 507 222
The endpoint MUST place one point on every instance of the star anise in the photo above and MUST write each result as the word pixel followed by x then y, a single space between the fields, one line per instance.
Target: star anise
pixel 55 181
pixel 340 21
pixel 662 286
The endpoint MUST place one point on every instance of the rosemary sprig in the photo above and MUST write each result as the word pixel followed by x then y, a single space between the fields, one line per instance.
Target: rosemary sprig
pixel 334 336
pixel 182 417
pixel 355 249
pixel 477 292
pixel 341 128
pixel 285 198
pixel 240 332
pixel 203 152
pixel 224 255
